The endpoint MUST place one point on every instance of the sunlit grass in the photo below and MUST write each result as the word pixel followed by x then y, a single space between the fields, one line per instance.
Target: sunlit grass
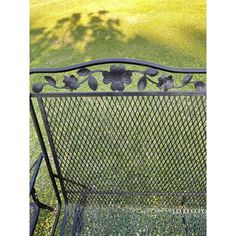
pixel 170 32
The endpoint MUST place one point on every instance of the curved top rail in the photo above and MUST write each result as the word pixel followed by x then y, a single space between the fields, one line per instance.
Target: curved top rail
pixel 118 60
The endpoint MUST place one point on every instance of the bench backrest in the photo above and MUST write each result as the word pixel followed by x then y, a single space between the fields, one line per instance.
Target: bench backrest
pixel 120 147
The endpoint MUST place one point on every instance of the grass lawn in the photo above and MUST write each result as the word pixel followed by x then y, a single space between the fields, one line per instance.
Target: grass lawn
pixel 169 32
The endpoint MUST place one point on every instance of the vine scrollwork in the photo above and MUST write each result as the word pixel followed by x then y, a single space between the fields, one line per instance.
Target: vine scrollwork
pixel 118 76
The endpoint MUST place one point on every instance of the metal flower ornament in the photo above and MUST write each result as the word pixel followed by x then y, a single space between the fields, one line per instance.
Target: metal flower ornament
pixel 118 76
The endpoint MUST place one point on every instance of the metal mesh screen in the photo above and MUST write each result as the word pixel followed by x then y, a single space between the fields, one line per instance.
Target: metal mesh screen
pixel 130 150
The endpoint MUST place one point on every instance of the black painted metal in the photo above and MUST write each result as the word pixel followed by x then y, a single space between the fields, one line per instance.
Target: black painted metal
pixel 36 170
pixel 40 204
pixel 45 154
pixel 127 155
pixel 37 204
pixel 34 213
pixel 118 60
pixel 118 93
pixel 44 150
pixel 118 76
pixel 63 225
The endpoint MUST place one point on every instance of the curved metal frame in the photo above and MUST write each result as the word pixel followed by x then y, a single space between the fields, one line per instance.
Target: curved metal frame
pixel 118 60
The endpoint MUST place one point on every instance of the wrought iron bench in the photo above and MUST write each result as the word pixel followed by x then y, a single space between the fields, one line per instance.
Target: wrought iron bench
pixel 123 162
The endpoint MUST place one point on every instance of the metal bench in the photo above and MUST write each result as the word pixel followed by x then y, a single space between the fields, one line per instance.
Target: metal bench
pixel 129 156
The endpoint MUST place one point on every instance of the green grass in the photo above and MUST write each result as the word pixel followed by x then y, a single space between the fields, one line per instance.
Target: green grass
pixel 170 32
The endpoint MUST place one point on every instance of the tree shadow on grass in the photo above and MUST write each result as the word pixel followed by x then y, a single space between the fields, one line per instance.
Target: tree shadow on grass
pixel 71 36
pixel 83 37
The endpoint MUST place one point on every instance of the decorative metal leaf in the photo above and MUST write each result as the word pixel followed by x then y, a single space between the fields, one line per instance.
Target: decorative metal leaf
pixel 187 79
pixel 37 87
pixel 66 80
pixel 126 77
pixel 71 82
pixel 92 82
pixel 200 86
pixel 106 77
pixel 114 69
pixel 142 83
pixel 151 71
pixel 168 85
pixel 159 84
pixel 165 82
pixel 83 72
pixel 117 86
pixel 164 77
pixel 50 80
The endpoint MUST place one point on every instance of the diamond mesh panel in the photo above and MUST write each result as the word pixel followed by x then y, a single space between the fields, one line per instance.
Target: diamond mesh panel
pixel 130 150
